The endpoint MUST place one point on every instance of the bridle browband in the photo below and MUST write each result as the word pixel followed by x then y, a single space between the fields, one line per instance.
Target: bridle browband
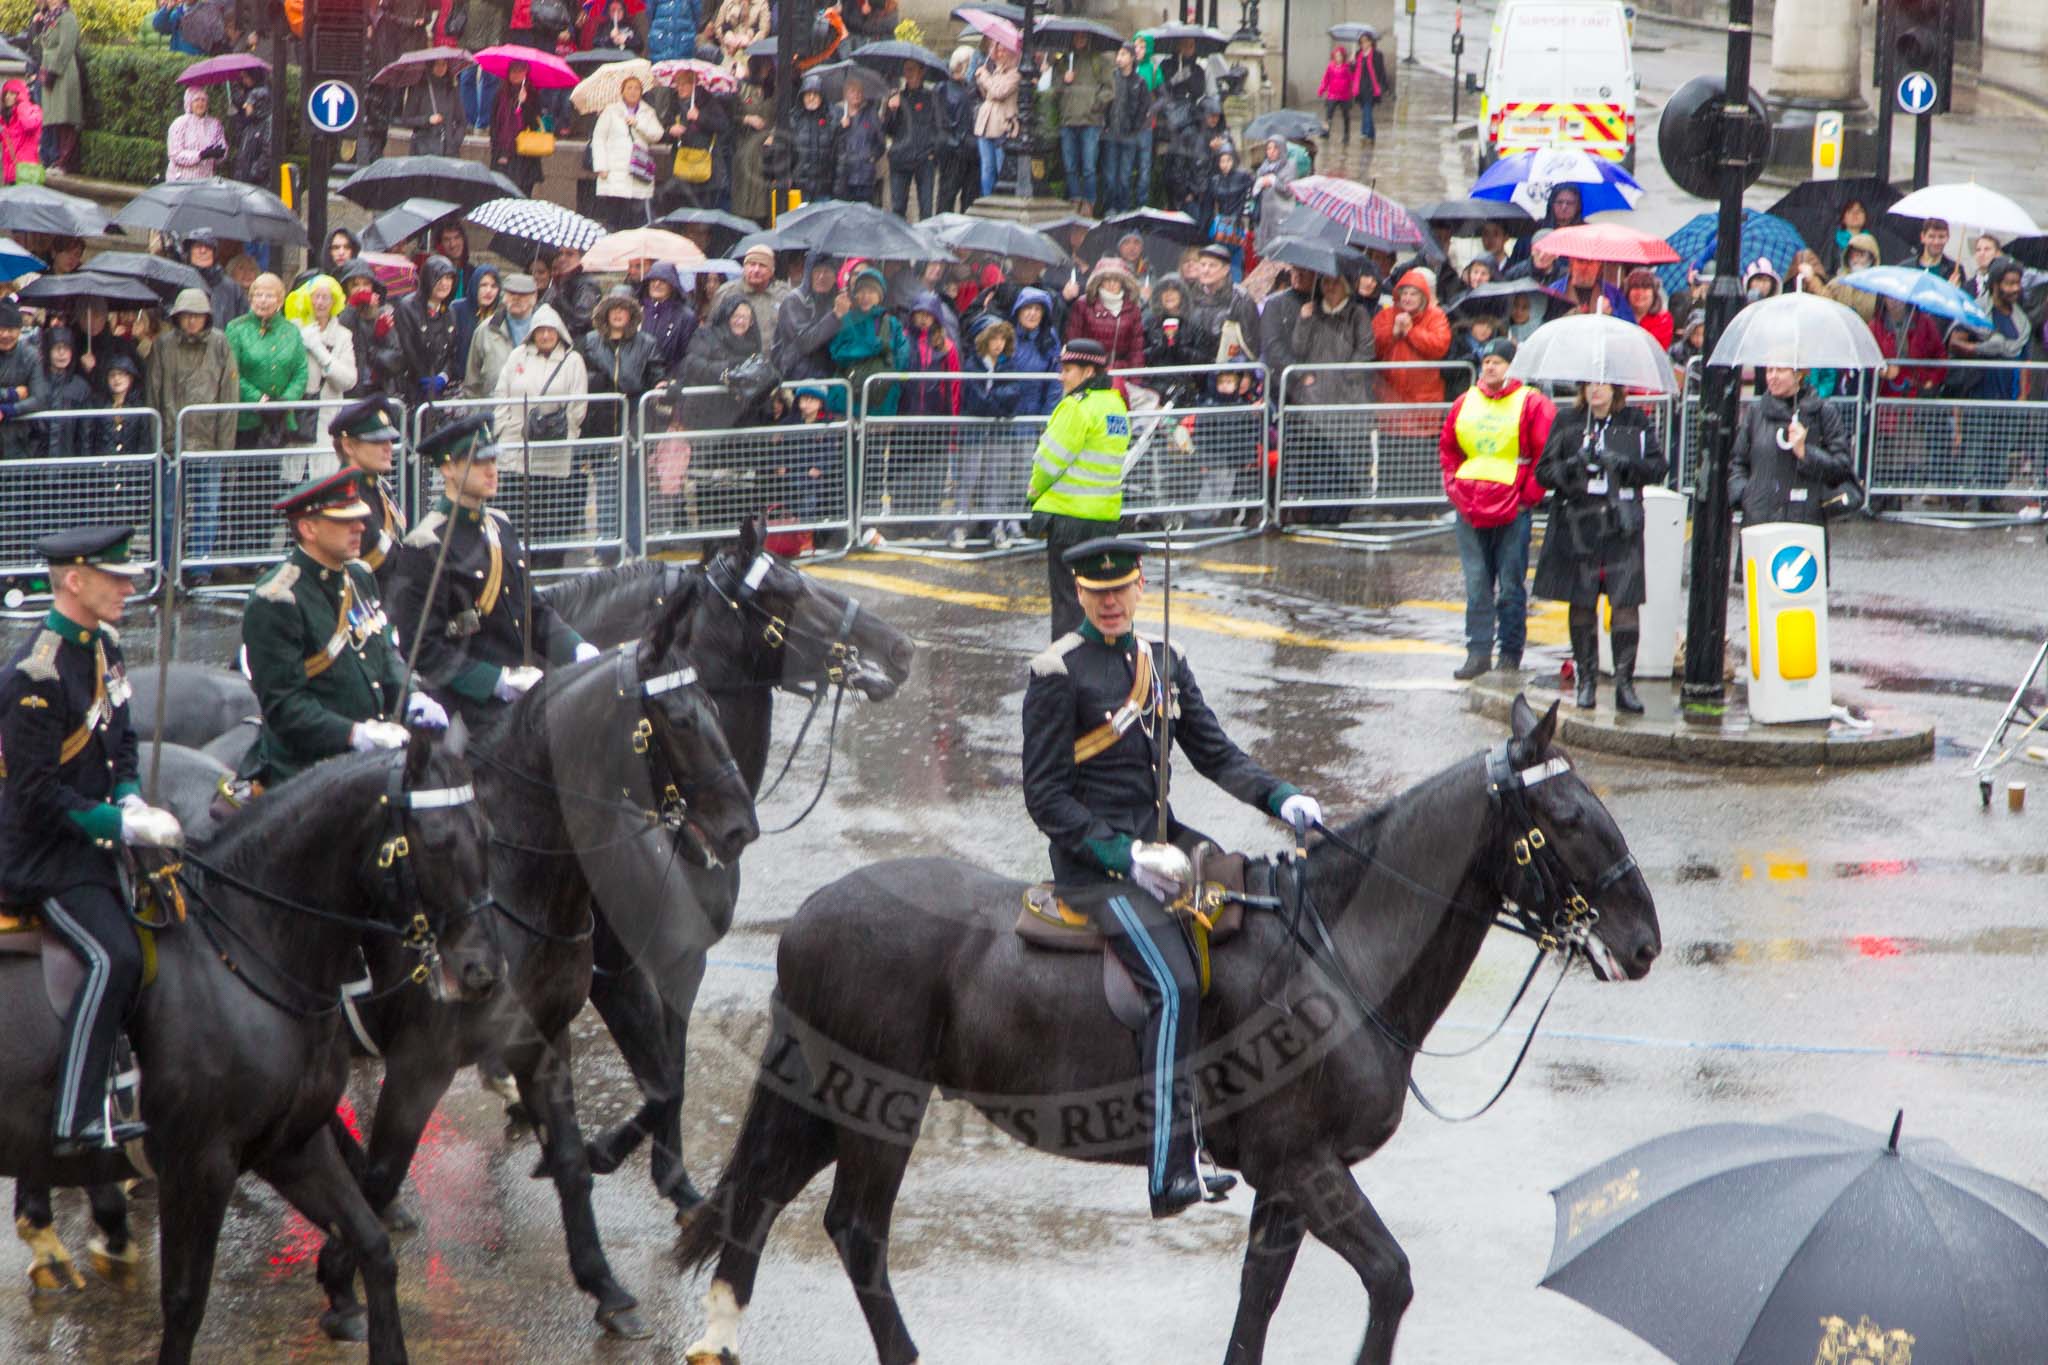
pixel 672 793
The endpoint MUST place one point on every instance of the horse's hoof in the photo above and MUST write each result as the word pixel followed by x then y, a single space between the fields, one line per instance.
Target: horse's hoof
pixel 603 1158
pixel 54 1278
pixel 518 1116
pixel 399 1217
pixel 697 1357
pixel 624 1322
pixel 504 1087
pixel 118 1268
pixel 345 1324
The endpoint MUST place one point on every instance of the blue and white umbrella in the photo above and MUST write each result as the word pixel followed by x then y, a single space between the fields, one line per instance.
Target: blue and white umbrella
pixel 1927 292
pixel 539 222
pixel 17 260
pixel 1528 179
pixel 1764 235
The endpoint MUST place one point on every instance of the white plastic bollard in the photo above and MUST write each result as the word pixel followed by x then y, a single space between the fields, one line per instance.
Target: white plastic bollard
pixel 1785 591
pixel 1663 610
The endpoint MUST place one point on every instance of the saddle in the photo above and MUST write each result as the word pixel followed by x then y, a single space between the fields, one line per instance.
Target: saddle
pixel 24 934
pixel 1225 885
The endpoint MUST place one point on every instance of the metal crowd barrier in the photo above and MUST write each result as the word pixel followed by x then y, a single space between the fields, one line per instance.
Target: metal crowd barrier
pixel 1348 468
pixel 224 493
pixel 696 484
pixel 1194 467
pixel 1685 451
pixel 571 510
pixel 1961 445
pixel 116 477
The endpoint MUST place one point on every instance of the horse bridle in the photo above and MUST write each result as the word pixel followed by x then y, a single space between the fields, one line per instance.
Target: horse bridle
pixel 1546 905
pixel 741 592
pixel 672 793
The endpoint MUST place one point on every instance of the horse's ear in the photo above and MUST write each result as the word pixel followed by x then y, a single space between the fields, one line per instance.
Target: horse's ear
pixel 1532 736
pixel 1521 720
pixel 418 748
pixel 750 538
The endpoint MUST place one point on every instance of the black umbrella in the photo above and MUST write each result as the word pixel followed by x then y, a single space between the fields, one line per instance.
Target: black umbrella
pixel 1807 1240
pixel 1502 292
pixel 1465 215
pixel 762 47
pixel 858 230
pixel 889 57
pixel 391 180
pixel 583 63
pixel 2029 251
pixel 1001 9
pixel 1060 32
pixel 1351 33
pixel 1324 258
pixel 90 286
pixel 1154 225
pixel 1071 220
pixel 1207 40
pixel 999 238
pixel 414 67
pixel 1815 209
pixel 160 273
pixel 835 75
pixel 393 226
pixel 230 209
pixel 729 226
pixel 38 208
pixel 1292 125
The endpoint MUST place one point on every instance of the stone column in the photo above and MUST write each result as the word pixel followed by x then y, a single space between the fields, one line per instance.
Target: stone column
pixel 2017 26
pixel 1817 66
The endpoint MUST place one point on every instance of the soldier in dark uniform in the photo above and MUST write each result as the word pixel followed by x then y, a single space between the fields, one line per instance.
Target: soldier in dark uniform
pixel 365 439
pixel 1091 783
pixel 472 652
pixel 322 657
pixel 71 799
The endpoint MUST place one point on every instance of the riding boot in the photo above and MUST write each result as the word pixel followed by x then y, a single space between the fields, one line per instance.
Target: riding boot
pixel 1182 1185
pixel 1585 633
pixel 1625 698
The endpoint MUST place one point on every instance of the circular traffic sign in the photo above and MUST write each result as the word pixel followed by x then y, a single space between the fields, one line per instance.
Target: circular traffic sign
pixel 333 107
pixel 1918 92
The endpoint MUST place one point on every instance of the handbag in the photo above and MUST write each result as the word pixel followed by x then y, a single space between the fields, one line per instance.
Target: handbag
pixel 640 164
pixel 552 425
pixel 1844 499
pixel 693 165
pixel 535 142
pixel 751 381
pixel 30 173
pixel 457 22
pixel 1227 231
pixel 549 16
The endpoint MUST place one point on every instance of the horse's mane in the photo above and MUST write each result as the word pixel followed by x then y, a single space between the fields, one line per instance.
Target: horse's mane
pixel 570 596
pixel 1334 873
pixel 316 794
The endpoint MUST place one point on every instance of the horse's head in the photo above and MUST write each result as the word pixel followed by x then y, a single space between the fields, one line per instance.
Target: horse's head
pixel 434 863
pixel 802 631
pixel 1581 868
pixel 704 796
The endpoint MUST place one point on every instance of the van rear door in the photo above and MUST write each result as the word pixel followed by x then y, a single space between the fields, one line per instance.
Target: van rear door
pixel 1565 74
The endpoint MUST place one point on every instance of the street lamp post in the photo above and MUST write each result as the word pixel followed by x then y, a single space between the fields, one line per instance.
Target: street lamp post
pixel 1019 148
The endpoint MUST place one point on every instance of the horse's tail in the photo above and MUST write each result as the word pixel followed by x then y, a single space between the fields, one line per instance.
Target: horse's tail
pixel 783 1143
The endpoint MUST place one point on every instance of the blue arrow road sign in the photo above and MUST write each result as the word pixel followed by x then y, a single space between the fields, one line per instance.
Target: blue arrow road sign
pixel 1918 92
pixel 333 106
pixel 1794 569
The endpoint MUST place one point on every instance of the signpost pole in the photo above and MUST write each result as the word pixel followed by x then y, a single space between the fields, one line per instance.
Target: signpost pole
pixel 1923 150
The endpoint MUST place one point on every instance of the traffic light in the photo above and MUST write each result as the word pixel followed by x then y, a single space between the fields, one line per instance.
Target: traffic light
pixel 1917 35
pixel 338 38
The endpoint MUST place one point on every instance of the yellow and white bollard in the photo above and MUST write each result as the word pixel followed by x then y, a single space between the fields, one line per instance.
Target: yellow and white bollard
pixel 1784 577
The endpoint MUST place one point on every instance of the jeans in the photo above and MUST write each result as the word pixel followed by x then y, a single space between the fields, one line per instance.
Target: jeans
pixel 924 172
pixel 1144 187
pixel 1120 174
pixel 1078 147
pixel 991 149
pixel 1496 564
pixel 1365 115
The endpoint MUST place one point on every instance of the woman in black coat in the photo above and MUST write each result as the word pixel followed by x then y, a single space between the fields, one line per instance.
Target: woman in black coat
pixel 1790 453
pixel 1600 456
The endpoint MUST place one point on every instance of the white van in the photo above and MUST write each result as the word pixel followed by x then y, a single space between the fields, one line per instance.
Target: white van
pixel 1559 73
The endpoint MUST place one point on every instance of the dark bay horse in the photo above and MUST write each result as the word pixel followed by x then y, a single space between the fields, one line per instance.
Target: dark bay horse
pixel 1324 1038
pixel 609 779
pixel 240 1040
pixel 761 626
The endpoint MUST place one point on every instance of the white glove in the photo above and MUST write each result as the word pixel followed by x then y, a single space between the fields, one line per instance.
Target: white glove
pixel 586 650
pixel 514 683
pixel 134 801
pixel 1161 870
pixel 423 711
pixel 149 827
pixel 1303 810
pixel 367 735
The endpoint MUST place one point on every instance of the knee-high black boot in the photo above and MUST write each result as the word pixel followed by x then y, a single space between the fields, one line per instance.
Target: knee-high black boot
pixel 1625 698
pixel 1584 623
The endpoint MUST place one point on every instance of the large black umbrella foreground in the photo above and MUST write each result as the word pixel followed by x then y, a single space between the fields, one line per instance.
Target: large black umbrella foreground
pixel 90 286
pixel 1289 125
pixel 390 229
pixel 1807 1240
pixel 1324 258
pixel 230 209
pixel 165 276
pixel 1060 32
pixel 1465 216
pixel 848 230
pixel 390 181
pixel 999 238
pixel 38 208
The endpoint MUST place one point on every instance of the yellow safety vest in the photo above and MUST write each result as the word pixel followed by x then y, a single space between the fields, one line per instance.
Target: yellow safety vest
pixel 1489 431
pixel 1079 467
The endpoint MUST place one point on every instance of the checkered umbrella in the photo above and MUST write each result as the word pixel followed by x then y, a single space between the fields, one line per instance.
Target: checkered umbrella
pixel 1359 208
pixel 538 222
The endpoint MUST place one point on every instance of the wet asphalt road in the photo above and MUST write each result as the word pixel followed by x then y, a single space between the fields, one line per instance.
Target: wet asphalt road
pixel 1854 942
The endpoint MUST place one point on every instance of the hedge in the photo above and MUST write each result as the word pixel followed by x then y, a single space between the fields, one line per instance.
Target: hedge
pixel 99 21
pixel 131 96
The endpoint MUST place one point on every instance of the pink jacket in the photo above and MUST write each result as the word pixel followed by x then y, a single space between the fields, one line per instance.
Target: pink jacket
pixel 188 136
pixel 21 136
pixel 1340 78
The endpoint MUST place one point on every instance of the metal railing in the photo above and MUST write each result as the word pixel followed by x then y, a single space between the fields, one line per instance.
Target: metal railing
pixel 697 484
pixel 567 493
pixel 1194 465
pixel 225 496
pixel 114 474
pixel 1347 466
pixel 1972 441
pixel 1685 451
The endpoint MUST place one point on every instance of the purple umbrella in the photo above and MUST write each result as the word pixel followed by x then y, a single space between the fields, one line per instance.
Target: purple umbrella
pixel 216 70
pixel 408 70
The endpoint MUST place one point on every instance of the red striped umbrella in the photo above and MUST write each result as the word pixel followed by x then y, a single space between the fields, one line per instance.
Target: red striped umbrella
pixel 1608 242
pixel 1361 210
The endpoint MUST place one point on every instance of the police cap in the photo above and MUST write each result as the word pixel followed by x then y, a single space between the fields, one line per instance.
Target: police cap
pixel 94 547
pixel 1104 562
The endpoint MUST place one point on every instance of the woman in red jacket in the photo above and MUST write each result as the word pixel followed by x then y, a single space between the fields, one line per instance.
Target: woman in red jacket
pixel 1112 314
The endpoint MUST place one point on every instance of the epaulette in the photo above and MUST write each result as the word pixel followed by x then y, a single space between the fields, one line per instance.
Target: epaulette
pixel 113 636
pixel 40 662
pixel 499 515
pixel 276 586
pixel 427 534
pixel 1178 652
pixel 1051 661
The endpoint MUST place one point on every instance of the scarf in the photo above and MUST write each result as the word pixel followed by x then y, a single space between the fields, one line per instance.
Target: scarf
pixel 1113 302
pixel 518 327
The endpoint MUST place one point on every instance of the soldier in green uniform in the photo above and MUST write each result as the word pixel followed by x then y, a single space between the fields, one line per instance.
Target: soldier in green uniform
pixel 322 656
pixel 72 798
pixel 473 651
pixel 365 439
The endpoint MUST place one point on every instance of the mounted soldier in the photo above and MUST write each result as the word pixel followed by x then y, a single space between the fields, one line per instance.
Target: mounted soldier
pixel 480 628
pixel 319 650
pixel 365 439
pixel 1092 782
pixel 72 798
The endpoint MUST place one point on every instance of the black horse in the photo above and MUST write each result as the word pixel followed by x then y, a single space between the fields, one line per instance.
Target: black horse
pixel 1333 1027
pixel 609 779
pixel 240 1040
pixel 760 626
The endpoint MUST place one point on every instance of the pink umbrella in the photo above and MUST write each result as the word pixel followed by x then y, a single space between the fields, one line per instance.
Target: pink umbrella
pixel 396 272
pixel 716 79
pixel 1609 242
pixel 215 70
pixel 545 69
pixel 993 26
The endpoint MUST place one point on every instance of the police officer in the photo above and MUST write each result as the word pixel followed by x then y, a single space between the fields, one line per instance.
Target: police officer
pixel 70 800
pixel 472 638
pixel 1091 774
pixel 1077 475
pixel 365 439
pixel 322 656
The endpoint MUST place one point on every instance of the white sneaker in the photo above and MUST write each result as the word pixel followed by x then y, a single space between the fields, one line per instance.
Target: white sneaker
pixel 1001 538
pixel 871 539
pixel 2031 512
pixel 958 540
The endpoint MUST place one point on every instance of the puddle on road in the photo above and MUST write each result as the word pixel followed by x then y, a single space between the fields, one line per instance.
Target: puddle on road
pixel 2005 941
